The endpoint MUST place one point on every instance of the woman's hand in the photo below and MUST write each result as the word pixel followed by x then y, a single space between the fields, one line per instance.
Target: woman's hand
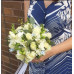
pixel 42 58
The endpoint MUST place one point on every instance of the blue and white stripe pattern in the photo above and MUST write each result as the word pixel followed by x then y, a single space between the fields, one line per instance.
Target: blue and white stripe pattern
pixel 57 18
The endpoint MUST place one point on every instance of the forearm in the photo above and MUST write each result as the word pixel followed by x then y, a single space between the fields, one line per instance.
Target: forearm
pixel 62 47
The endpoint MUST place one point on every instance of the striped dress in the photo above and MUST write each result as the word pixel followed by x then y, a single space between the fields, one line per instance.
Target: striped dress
pixel 57 18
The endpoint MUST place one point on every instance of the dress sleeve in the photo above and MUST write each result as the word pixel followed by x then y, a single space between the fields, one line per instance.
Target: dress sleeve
pixel 67 8
pixel 66 3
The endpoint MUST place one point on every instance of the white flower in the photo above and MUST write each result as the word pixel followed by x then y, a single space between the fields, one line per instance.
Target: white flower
pixel 31 55
pixel 47 46
pixel 17 39
pixel 11 35
pixel 12 44
pixel 26 27
pixel 44 34
pixel 38 37
pixel 29 36
pixel 27 60
pixel 20 34
pixel 46 30
pixel 48 35
pixel 41 46
pixel 37 30
pixel 19 28
pixel 20 57
pixel 42 52
pixel 33 45
pixel 38 52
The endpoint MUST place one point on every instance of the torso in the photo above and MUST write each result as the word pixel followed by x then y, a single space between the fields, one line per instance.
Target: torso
pixel 56 17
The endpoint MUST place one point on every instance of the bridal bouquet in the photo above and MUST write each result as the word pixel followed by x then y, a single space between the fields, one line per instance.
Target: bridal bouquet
pixel 29 41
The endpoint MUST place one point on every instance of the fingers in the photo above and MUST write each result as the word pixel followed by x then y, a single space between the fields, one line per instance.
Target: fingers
pixel 36 60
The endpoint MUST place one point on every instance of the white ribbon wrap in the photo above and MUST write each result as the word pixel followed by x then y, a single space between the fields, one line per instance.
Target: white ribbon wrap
pixel 21 69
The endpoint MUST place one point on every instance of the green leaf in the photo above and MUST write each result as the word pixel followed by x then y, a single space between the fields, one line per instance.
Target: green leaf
pixel 37 44
pixel 37 56
pixel 21 21
pixel 26 31
pixel 51 43
pixel 28 20
pixel 28 44
pixel 17 45
pixel 47 39
pixel 21 52
pixel 30 29
pixel 42 28
pixel 42 37
pixel 13 28
pixel 32 20
pixel 24 37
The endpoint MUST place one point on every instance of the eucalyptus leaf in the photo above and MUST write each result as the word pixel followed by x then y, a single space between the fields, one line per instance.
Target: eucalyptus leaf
pixel 32 20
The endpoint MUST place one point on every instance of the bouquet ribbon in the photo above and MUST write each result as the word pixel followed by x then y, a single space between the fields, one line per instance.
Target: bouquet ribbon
pixel 22 70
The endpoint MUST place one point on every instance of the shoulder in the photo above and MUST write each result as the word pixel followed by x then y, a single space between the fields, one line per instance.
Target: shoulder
pixel 65 3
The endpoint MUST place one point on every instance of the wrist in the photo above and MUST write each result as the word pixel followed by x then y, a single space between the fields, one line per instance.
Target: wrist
pixel 51 52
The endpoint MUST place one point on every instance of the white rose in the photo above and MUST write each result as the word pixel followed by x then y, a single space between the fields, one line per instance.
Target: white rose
pixel 31 55
pixel 33 45
pixel 41 45
pixel 47 46
pixel 49 35
pixel 37 30
pixel 29 36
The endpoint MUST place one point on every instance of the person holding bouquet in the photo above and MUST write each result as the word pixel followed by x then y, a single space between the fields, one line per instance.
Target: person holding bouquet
pixel 56 17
